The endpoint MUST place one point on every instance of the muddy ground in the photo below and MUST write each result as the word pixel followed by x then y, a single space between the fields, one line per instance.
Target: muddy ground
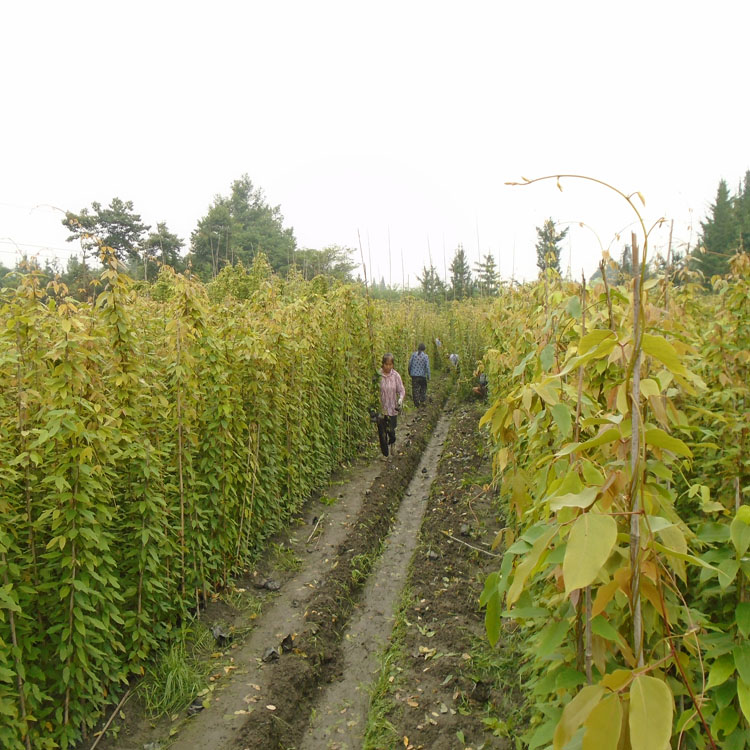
pixel 311 648
pixel 442 686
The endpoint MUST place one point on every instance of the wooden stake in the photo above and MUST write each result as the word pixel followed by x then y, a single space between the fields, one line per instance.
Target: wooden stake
pixel 635 449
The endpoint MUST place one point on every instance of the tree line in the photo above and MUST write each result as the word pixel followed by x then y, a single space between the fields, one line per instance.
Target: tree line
pixel 239 226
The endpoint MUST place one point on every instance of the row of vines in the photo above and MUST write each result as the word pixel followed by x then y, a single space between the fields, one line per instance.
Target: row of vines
pixel 149 443
pixel 621 428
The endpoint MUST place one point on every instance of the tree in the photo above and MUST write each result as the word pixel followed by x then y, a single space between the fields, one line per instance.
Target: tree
pixel 460 275
pixel 116 226
pixel 487 276
pixel 333 261
pixel 742 211
pixel 433 288
pixel 238 227
pixel 720 237
pixel 548 246
pixel 163 247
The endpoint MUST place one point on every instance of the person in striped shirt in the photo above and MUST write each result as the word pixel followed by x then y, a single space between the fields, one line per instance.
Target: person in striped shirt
pixel 392 394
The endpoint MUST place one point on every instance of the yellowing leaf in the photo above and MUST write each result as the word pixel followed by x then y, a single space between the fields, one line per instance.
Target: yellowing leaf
pixel 603 597
pixel 594 339
pixel 603 725
pixel 650 387
pixel 659 348
pixel 582 499
pixel 673 538
pixel 651 710
pixel 661 439
pixel 591 541
pixel 575 713
pixel 615 680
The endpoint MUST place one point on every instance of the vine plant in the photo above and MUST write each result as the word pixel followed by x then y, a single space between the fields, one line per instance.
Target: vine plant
pixel 605 547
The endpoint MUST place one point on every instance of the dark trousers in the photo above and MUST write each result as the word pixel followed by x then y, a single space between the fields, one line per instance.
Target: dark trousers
pixel 386 432
pixel 419 389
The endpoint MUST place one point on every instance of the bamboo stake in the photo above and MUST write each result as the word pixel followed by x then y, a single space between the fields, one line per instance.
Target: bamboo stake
pixel 669 268
pixel 179 469
pixel 16 657
pixel 635 448
pixel 111 718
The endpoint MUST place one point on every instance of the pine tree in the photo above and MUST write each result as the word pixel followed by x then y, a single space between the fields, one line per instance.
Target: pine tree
pixel 460 275
pixel 742 211
pixel 487 276
pixel 720 237
pixel 548 246
pixel 433 289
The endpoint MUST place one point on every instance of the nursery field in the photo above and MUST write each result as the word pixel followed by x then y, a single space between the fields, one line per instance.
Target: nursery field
pixel 574 550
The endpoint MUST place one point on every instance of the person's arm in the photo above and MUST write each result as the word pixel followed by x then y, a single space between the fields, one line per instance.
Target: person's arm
pixel 400 389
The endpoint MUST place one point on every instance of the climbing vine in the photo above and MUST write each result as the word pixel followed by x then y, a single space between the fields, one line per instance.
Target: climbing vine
pixel 150 441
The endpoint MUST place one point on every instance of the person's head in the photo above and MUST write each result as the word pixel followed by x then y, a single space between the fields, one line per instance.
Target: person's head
pixel 387 362
pixel 421 347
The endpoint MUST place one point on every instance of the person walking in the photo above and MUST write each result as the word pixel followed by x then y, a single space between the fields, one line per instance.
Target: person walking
pixel 392 394
pixel 419 371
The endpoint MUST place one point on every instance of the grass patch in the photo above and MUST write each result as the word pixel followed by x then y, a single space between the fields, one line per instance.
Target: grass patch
pixel 282 558
pixel 174 679
pixel 379 731
pixel 499 667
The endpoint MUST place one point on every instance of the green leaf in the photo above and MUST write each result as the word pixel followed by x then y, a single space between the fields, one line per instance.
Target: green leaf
pixel 725 721
pixel 721 670
pixel 563 419
pixel 650 718
pixel 742 618
pixel 743 693
pixel 573 307
pixel 741 656
pixel 661 439
pixel 576 713
pixel 608 436
pixel 547 357
pixel 602 627
pixel 659 348
pixel 550 637
pixel 529 563
pixel 739 530
pixel 590 543
pixel 603 725
pixel 582 499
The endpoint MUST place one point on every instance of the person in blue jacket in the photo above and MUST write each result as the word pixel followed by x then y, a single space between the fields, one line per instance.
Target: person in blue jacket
pixel 419 371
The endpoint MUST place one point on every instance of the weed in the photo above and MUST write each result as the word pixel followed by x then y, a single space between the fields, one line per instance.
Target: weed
pixel 361 566
pixel 179 674
pixel 283 558
pixel 379 731
pixel 328 499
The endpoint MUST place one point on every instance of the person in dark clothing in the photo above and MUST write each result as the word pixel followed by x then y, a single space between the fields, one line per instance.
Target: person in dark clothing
pixel 419 371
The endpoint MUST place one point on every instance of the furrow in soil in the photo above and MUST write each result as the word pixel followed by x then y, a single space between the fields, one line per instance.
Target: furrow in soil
pixel 341 712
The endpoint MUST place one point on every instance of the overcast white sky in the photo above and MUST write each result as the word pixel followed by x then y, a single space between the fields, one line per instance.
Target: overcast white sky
pixel 390 117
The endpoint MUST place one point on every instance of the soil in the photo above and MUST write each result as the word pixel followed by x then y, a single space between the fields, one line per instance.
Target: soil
pixel 447 687
pixel 334 611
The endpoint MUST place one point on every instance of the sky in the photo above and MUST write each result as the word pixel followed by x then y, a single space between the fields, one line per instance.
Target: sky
pixel 394 125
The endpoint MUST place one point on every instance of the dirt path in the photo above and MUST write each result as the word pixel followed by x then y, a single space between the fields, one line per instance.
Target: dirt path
pixel 340 714
pixel 265 703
